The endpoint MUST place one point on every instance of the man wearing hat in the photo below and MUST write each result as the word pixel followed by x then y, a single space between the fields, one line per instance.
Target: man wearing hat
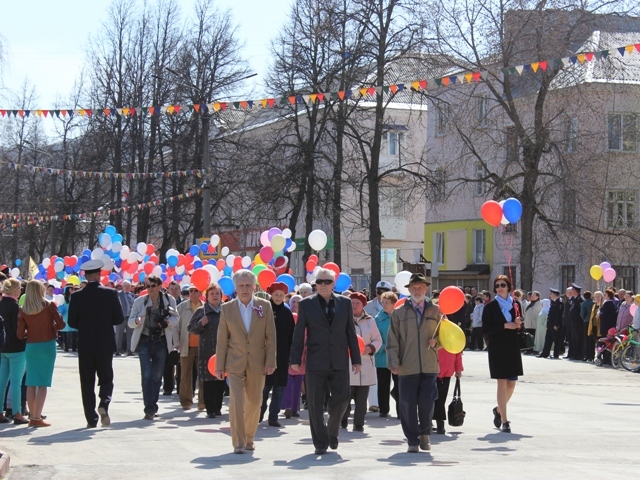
pixel 411 354
pixel 94 311
pixel 576 342
pixel 554 326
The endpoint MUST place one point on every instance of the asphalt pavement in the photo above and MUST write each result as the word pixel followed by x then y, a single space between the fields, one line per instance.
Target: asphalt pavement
pixel 569 419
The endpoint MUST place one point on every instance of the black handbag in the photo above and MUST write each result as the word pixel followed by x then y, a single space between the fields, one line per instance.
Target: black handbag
pixel 456 413
pixel 526 340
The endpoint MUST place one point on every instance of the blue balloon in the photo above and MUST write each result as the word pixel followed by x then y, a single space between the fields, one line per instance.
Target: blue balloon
pixel 197 264
pixel 163 276
pixel 288 280
pixel 41 269
pixel 288 244
pixel 111 230
pixel 512 210
pixel 118 262
pixel 116 238
pixel 177 277
pixel 228 271
pixel 163 267
pixel 76 267
pixel 68 269
pixel 226 284
pixel 145 259
pixel 172 261
pixel 204 246
pixel 142 276
pixel 60 275
pixel 59 260
pixel 113 277
pixel 194 250
pixel 342 282
pixel 18 262
pixel 86 253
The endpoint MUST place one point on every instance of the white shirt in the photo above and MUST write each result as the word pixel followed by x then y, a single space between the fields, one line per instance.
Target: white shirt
pixel 245 313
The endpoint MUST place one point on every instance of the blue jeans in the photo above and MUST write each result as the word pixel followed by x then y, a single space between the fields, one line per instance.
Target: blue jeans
pixel 277 395
pixel 417 394
pixel 152 354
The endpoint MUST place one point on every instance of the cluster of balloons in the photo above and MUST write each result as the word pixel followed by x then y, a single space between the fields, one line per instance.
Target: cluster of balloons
pixel 604 271
pixel 343 280
pixel 501 213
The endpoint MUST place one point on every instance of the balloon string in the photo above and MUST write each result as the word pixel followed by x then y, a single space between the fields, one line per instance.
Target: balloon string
pixel 436 330
pixel 507 251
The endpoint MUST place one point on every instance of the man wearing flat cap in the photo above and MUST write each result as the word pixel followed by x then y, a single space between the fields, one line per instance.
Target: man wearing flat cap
pixel 412 345
pixel 94 311
pixel 554 326
pixel 576 342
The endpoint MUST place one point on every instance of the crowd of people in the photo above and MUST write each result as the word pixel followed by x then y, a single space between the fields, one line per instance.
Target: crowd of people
pixel 275 352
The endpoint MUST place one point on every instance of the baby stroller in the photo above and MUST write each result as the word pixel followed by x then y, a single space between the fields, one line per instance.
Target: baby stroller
pixel 611 343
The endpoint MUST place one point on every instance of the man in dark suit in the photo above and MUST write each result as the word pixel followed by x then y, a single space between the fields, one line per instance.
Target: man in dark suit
pixel 331 336
pixel 94 311
pixel 554 326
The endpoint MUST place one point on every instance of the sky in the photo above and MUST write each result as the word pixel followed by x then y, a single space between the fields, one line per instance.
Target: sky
pixel 45 40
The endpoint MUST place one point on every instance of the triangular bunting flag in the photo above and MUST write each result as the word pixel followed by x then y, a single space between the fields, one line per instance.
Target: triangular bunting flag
pixel 629 48
pixel 589 56
pixel 519 69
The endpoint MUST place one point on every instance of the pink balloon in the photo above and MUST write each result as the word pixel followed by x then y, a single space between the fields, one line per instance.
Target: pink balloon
pixel 264 238
pixel 609 275
pixel 266 254
pixel 633 308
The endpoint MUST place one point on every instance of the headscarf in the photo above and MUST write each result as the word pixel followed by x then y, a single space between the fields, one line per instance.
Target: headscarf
pixel 546 304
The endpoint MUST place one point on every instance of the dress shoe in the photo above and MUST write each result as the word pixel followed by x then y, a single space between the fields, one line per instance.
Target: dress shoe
pixel 167 394
pixel 320 451
pixel 497 419
pixel 105 421
pixel 211 415
pixel 384 414
pixel 19 419
pixel 238 450
pixel 358 428
pixel 287 413
pixel 413 449
pixel 374 409
pixel 149 417
pixel 541 356
pixel 425 442
pixel 38 422
pixel 441 431
pixel 343 424
pixel 296 415
pixel 218 413
pixel 333 442
pixel 250 446
pixel 274 423
pixel 92 425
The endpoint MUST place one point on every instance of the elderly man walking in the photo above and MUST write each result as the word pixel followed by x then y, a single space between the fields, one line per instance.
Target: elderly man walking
pixel 246 351
pixel 411 354
pixel 331 336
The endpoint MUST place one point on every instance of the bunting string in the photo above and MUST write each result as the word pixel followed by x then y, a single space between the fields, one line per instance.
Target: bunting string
pixel 83 174
pixel 357 93
pixel 35 218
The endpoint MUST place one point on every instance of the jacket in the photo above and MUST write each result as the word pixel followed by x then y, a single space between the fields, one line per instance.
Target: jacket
pixel 239 351
pixel 9 312
pixel 585 310
pixel 41 327
pixel 139 309
pixel 408 340
pixel 383 322
pixel 530 316
pixel 477 316
pixel 594 321
pixel 450 363
pixel 181 332
pixel 207 336
pixel 554 319
pixel 366 327
pixel 624 316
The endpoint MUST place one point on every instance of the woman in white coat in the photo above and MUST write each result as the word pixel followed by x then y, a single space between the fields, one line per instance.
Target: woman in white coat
pixel 367 329
pixel 541 327
pixel 531 312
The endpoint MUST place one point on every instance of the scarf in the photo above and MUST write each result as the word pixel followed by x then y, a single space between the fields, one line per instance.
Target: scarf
pixel 546 304
pixel 531 304
pixel 505 305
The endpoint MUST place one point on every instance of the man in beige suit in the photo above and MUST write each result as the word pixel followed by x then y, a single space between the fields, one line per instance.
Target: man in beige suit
pixel 246 351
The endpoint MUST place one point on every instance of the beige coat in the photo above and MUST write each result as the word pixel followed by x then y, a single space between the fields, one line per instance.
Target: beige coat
pixel 367 328
pixel 238 351
pixel 531 315
pixel 180 333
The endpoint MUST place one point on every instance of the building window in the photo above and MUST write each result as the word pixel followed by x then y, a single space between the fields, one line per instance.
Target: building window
pixel 482 109
pixel 391 202
pixel 389 261
pixel 623 132
pixel 621 209
pixel 479 246
pixel 394 143
pixel 439 184
pixel 569 208
pixel 512 145
pixel 625 278
pixel 511 228
pixel 439 244
pixel 442 117
pixel 567 275
pixel 510 271
pixel 479 186
pixel 571 135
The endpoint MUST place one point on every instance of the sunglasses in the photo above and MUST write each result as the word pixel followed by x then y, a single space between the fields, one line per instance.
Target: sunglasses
pixel 500 285
pixel 324 281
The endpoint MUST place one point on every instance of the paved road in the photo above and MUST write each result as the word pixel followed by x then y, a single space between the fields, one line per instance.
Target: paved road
pixel 569 419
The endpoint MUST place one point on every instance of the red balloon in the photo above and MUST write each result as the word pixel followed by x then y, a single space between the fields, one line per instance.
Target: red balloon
pixel 144 292
pixel 237 262
pixel 150 248
pixel 148 268
pixel 181 259
pixel 451 300
pixel 265 278
pixel 201 279
pixel 361 344
pixel 73 260
pixel 400 302
pixel 295 318
pixel 310 265
pixel 491 212
pixel 211 365
pixel 314 258
pixel 154 258
pixel 333 267
pixel 220 264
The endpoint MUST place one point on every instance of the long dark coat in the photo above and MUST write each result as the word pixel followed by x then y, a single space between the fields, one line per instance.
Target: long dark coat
pixel 505 360
pixel 285 325
pixel 608 317
pixel 208 337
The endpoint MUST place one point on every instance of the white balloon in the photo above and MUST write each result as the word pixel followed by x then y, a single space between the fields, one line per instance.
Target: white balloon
pixel 124 252
pixel 225 251
pixel 116 247
pixel 213 272
pixel 292 247
pixel 215 240
pixel 504 220
pixel 141 248
pixel 58 299
pixel 57 267
pixel 46 262
pixel 96 254
pixel 286 233
pixel 186 280
pixel 278 242
pixel 15 272
pixel 132 257
pixel 246 262
pixel 157 271
pixel 230 260
pixel 310 277
pixel 105 240
pixel 317 240
pixel 127 275
pixel 55 283
pixel 172 252
pixel 180 269
pixel 400 280
pixel 108 264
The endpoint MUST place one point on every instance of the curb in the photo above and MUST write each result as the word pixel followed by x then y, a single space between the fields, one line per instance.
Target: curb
pixel 4 463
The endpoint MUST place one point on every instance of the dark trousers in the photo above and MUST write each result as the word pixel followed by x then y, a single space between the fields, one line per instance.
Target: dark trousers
pixel 152 355
pixel 589 344
pixel 90 365
pixel 213 391
pixel 552 336
pixel 169 375
pixel 568 336
pixel 439 411
pixel 318 384
pixel 277 393
pixel 384 376
pixel 418 394
pixel 70 341
pixel 577 339
pixel 477 340
pixel 359 395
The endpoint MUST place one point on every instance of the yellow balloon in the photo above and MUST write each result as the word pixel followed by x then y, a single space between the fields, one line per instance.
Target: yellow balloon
pixel 73 280
pixel 451 337
pixel 258 260
pixel 596 272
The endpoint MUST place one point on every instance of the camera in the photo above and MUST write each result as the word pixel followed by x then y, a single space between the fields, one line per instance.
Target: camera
pixel 158 322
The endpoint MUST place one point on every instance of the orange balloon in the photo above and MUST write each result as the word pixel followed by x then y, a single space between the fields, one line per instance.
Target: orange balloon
pixel 295 318
pixel 361 344
pixel 211 365
pixel 400 302
pixel 201 279
pixel 265 278
pixel 451 300
pixel 491 212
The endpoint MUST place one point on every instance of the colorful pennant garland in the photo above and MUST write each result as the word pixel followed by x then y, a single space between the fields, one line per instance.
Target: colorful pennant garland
pixel 35 218
pixel 82 174
pixel 364 92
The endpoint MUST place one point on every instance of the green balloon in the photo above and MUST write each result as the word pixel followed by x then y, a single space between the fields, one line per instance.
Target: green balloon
pixel 258 268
